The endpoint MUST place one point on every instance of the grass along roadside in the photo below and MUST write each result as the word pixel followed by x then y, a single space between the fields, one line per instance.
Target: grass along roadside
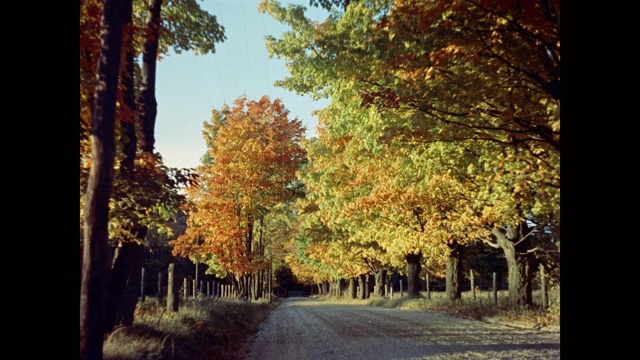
pixel 482 307
pixel 201 329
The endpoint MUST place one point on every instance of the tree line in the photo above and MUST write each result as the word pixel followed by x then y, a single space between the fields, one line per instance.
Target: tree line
pixel 443 130
pixel 442 134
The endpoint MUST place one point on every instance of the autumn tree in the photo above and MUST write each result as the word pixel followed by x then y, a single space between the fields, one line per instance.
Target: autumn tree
pixel 253 153
pixel 479 75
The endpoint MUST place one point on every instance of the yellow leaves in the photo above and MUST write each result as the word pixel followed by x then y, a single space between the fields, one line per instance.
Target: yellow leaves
pixel 146 160
pixel 429 73
pixel 453 49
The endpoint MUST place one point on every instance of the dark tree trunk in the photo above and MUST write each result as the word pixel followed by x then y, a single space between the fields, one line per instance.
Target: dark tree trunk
pixel 367 286
pixel 174 278
pixel 352 291
pixel 258 281
pixel 413 273
pixel 380 277
pixel 454 271
pixel 247 293
pixel 125 272
pixel 124 285
pixel 519 264
pixel 260 250
pixel 96 234
pixel 128 125
pixel 245 290
pixel 388 282
pixel 147 101
pixel 362 285
pixel 325 287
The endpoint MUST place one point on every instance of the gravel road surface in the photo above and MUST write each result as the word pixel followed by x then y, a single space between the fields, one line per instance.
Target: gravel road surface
pixel 304 328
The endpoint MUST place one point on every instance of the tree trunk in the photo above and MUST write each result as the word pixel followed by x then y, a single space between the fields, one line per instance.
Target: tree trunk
pixel 245 292
pixel 147 100
pixel 173 288
pixel 362 284
pixel 126 270
pixel 260 273
pixel 352 291
pixel 124 285
pixel 520 271
pixel 378 287
pixel 325 287
pixel 413 273
pixel 367 286
pixel 454 271
pixel 338 285
pixel 96 234
pixel 259 284
pixel 128 125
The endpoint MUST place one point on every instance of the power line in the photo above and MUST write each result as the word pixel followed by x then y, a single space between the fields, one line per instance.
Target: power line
pixel 264 35
pixel 246 43
pixel 219 78
pixel 233 75
pixel 201 81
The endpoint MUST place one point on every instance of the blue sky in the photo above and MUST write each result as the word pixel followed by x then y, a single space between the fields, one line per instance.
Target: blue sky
pixel 190 86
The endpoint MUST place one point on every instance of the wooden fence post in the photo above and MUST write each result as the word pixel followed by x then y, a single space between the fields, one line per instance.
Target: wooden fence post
pixel 195 281
pixel 142 286
pixel 473 288
pixel 186 287
pixel 428 289
pixel 543 288
pixel 172 298
pixel 495 289
pixel 401 292
pixel 271 276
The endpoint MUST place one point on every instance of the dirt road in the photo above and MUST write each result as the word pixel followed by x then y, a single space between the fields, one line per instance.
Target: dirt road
pixel 304 328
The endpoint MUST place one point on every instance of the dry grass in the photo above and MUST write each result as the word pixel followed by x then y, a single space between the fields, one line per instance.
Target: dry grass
pixel 201 329
pixel 480 308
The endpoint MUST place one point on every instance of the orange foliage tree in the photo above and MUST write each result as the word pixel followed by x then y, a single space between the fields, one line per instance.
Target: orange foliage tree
pixel 253 154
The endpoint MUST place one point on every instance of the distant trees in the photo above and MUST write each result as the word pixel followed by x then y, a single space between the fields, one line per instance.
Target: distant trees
pixel 246 179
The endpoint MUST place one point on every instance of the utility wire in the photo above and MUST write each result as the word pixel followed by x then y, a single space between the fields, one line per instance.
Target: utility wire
pixel 246 43
pixel 233 75
pixel 201 80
